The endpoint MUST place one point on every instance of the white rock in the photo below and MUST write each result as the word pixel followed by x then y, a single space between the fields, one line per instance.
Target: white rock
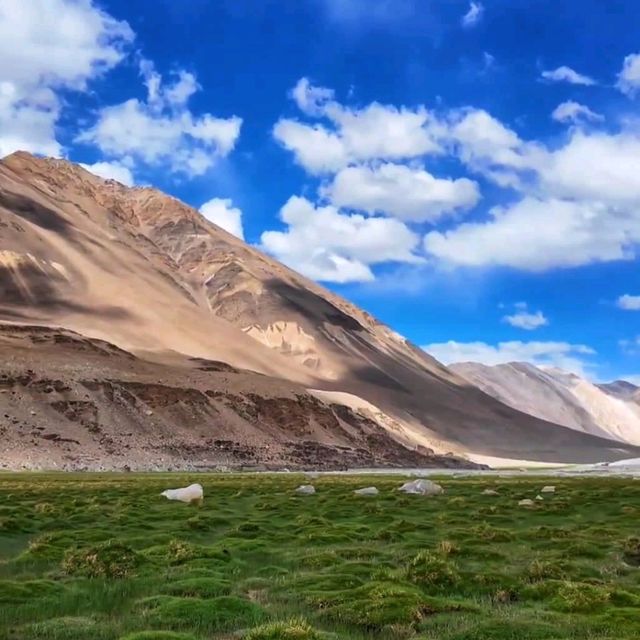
pixel 306 490
pixel 490 492
pixel 526 503
pixel 367 491
pixel 539 497
pixel 548 489
pixel 192 493
pixel 422 487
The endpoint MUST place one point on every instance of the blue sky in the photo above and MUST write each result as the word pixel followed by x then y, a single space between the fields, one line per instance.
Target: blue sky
pixel 466 171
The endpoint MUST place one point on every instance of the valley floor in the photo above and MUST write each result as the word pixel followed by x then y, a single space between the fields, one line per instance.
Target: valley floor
pixel 103 556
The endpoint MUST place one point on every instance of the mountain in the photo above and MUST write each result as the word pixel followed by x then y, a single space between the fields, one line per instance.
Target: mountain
pixel 621 389
pixel 606 410
pixel 94 263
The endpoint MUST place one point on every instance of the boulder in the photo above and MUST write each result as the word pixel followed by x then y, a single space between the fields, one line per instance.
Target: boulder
pixel 490 492
pixel 548 489
pixel 192 493
pixel 526 503
pixel 367 491
pixel 539 497
pixel 306 490
pixel 422 487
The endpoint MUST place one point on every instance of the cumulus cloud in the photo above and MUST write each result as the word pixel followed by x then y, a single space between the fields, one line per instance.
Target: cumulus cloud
pixel 47 46
pixel 111 171
pixel 566 356
pixel 567 74
pixel 629 78
pixel 565 206
pixel 162 131
pixel 535 235
pixel 409 193
pixel 596 168
pixel 375 132
pixel 576 204
pixel 629 302
pixel 221 212
pixel 325 244
pixel 473 15
pixel 525 319
pixel 574 112
pixel 488 147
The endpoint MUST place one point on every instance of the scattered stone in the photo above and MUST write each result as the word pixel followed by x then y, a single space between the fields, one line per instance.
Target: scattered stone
pixel 367 491
pixel 539 497
pixel 548 489
pixel 490 492
pixel 526 503
pixel 192 493
pixel 422 487
pixel 306 490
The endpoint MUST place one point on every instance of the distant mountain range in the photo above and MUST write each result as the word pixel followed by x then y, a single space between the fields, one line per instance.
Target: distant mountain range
pixel 608 410
pixel 135 333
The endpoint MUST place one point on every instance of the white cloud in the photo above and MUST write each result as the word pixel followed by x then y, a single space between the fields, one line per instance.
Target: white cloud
pixel 111 171
pixel 566 74
pixel 409 193
pixel 375 132
pixel 568 205
pixel 629 302
pixel 489 147
pixel 311 99
pixel 629 77
pixel 524 319
pixel 630 347
pixel 474 15
pixel 574 112
pixel 536 235
pixel 314 147
pixel 596 167
pixel 46 46
pixel 162 131
pixel 221 211
pixel 577 204
pixel 324 244
pixel 566 356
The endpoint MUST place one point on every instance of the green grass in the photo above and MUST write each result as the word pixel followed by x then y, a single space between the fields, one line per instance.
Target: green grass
pixel 104 557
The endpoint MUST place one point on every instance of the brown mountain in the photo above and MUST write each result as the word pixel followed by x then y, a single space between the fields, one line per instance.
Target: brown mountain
pixel 165 297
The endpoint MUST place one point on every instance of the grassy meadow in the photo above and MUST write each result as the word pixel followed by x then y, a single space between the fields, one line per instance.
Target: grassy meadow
pixel 104 557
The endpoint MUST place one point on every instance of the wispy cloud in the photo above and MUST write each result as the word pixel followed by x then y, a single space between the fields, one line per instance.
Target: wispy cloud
pixel 525 319
pixel 473 15
pixel 567 74
pixel 628 302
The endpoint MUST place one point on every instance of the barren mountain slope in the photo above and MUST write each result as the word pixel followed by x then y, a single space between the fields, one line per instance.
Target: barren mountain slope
pixel 71 402
pixel 149 274
pixel 558 396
